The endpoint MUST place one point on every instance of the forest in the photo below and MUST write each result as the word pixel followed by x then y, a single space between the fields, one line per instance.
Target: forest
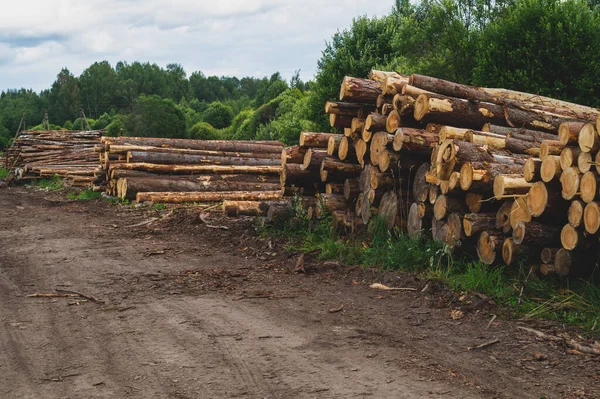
pixel 548 47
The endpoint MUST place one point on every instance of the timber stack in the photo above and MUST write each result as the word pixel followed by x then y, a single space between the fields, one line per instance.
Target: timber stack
pixel 492 172
pixel 243 174
pixel 46 153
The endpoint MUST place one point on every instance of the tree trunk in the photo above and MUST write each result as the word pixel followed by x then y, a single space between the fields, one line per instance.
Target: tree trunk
pixel 212 145
pixel 356 90
pixel 492 140
pixel 179 197
pixel 380 76
pixel 588 186
pixel 474 223
pixel 405 105
pixel 334 143
pixel 445 205
pixel 588 139
pixel 479 176
pixel 341 168
pixel 519 133
pixel 550 147
pixel 568 132
pixel 542 200
pixel 568 157
pixel 450 110
pixel 510 185
pixel 294 154
pixel 417 140
pixel 532 169
pixel 199 169
pixel 244 208
pixel 420 186
pixel 348 109
pixel 536 234
pixel 340 121
pixel 489 246
pixel 511 251
pixel 519 212
pixel 183 159
pixel 452 133
pixel 547 255
pixel 388 209
pixel 584 162
pixel 314 158
pixel 360 147
pixel 351 188
pixel 517 146
pixel 316 140
pixel 571 238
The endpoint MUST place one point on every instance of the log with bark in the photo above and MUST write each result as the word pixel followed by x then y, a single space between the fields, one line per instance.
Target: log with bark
pixel 180 197
pixel 358 90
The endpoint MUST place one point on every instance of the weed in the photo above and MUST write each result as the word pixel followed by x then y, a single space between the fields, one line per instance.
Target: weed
pixel 3 173
pixel 87 194
pixel 159 207
pixel 52 184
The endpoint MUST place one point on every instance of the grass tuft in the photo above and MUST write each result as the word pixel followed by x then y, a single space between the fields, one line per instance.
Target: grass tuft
pixel 51 184
pixel 84 195
pixel 3 173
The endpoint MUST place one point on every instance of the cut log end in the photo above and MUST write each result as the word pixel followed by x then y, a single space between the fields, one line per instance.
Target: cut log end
pixel 591 217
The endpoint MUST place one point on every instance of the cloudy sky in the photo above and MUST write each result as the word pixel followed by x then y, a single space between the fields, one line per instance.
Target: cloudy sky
pixel 218 37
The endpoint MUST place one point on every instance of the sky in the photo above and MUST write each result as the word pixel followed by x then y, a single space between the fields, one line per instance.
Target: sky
pixel 218 37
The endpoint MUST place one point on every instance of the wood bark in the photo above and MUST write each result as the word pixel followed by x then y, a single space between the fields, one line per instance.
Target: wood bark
pixel 449 110
pixel 340 121
pixel 348 109
pixel 179 197
pixel 510 185
pixel 474 223
pixel 536 234
pixel 358 90
pixel 511 251
pixel 575 214
pixel 317 140
pixel 212 145
pixel 199 169
pixel 183 159
pixel 568 132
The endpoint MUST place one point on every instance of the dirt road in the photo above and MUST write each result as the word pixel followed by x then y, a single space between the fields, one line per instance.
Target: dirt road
pixel 187 311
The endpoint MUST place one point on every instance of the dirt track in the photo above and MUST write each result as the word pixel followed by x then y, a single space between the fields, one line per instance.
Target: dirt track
pixel 194 312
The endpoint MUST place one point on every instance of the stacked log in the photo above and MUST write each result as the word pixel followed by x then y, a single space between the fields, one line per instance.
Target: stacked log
pixel 242 174
pixel 47 153
pixel 488 171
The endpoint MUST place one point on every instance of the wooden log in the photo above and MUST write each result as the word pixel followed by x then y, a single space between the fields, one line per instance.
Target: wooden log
pixel 378 143
pixel 388 209
pixel 388 159
pixel 334 143
pixel 588 186
pixel 511 251
pixel 393 85
pixel 212 145
pixel 479 176
pixel 445 205
pixel 568 132
pixel 536 234
pixel 532 169
pixel 382 181
pixel 404 105
pixel 293 154
pixel 492 140
pixel 198 169
pixel 316 140
pixel 433 194
pixel 510 185
pixel 550 147
pixel 489 246
pixel 130 186
pixel 474 223
pixel 314 158
pixel 571 238
pixel 452 133
pixel 295 174
pixel 183 159
pixel 418 140
pixel 569 179
pixel 374 123
pixel 519 133
pixel 416 225
pixel 358 90
pixel 393 122
pixel 358 125
pixel 517 146
pixel 243 208
pixel 550 168
pixel 584 162
pixel 351 188
pixel 564 262
pixel 591 217
pixel 519 212
pixel 420 187
pixel 575 214
pixel 334 188
pixel 341 168
pixel 328 203
pixel 348 109
pixel 179 197
pixel 474 202
pixel 547 255
pixel 540 200
pixel 360 147
pixel 340 121
pixel 568 156
pixel 448 110
pixel 588 139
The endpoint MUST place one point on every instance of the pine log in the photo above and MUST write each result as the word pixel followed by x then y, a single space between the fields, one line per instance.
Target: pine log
pixel 340 121
pixel 448 110
pixel 452 133
pixel 294 154
pixel 517 146
pixel 351 188
pixel 503 217
pixel 178 197
pixel 410 139
pixel 393 85
pixel 416 225
pixel 568 156
pixel 536 234
pixel 547 255
pixel 571 238
pixel 405 105
pixel 382 181
pixel 568 132
pixel 388 209
pixel 588 186
pixel 433 193
pixel 588 139
pixel 295 174
pixel 479 176
pixel 374 123
pixel 334 143
pixel 130 186
pixel 243 208
pixel 569 180
pixel 393 122
pixel 358 90
pixel 474 202
pixel 575 214
pixel 334 188
pixel 541 200
pixel 519 212
pixel 388 159
pixel 474 223
pixel 183 159
pixel 489 246
pixel 512 251
pixel 380 76
pixel 358 125
pixel 314 158
pixel 317 140
pixel 564 262
pixel 584 162
pixel 420 187
pixel 550 147
pixel 532 169
pixel 212 145
pixel 360 147
pixel 327 203
pixel 378 143
pixel 445 205
pixel 116 150
pixel 348 109
pixel 591 217
pixel 199 169
pixel 550 168
pixel 510 185
pixel 341 168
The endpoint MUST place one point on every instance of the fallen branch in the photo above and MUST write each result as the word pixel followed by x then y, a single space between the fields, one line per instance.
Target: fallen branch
pixel 382 287
pixel 52 295
pixel 590 350
pixel 484 345
pixel 75 293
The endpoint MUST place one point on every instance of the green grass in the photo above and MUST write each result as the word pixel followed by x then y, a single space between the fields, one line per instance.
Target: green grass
pixel 159 207
pixel 572 301
pixel 84 195
pixel 3 173
pixel 51 184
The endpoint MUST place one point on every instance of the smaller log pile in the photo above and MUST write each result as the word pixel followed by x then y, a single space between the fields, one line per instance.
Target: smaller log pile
pixel 243 173
pixel 491 172
pixel 47 153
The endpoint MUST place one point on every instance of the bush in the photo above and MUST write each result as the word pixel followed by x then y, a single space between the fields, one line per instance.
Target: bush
pixel 102 122
pixel 203 131
pixel 218 115
pixel 114 128
pixel 154 116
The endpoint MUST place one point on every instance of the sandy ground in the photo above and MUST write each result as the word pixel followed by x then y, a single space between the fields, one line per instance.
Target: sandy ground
pixel 187 311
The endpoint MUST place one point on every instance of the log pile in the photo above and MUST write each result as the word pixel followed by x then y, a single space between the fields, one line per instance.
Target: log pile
pixel 490 172
pixel 241 173
pixel 47 153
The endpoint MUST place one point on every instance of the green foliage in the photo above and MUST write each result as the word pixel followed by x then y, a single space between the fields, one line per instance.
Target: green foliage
pixel 158 207
pixel 544 46
pixel 102 122
pixel 51 184
pixel 41 127
pixel 84 195
pixel 113 129
pixel 203 131
pixel 68 125
pixel 3 173
pixel 153 116
pixel 64 97
pixel 218 115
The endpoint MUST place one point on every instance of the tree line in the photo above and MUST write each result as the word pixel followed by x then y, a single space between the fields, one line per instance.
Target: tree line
pixel 549 47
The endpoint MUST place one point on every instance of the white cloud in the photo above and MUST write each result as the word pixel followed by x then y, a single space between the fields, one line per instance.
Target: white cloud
pixel 222 37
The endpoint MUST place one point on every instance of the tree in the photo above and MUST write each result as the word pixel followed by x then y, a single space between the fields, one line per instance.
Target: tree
pixel 97 86
pixel 178 86
pixel 544 46
pixel 154 116
pixel 64 97
pixel 203 131
pixel 218 115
